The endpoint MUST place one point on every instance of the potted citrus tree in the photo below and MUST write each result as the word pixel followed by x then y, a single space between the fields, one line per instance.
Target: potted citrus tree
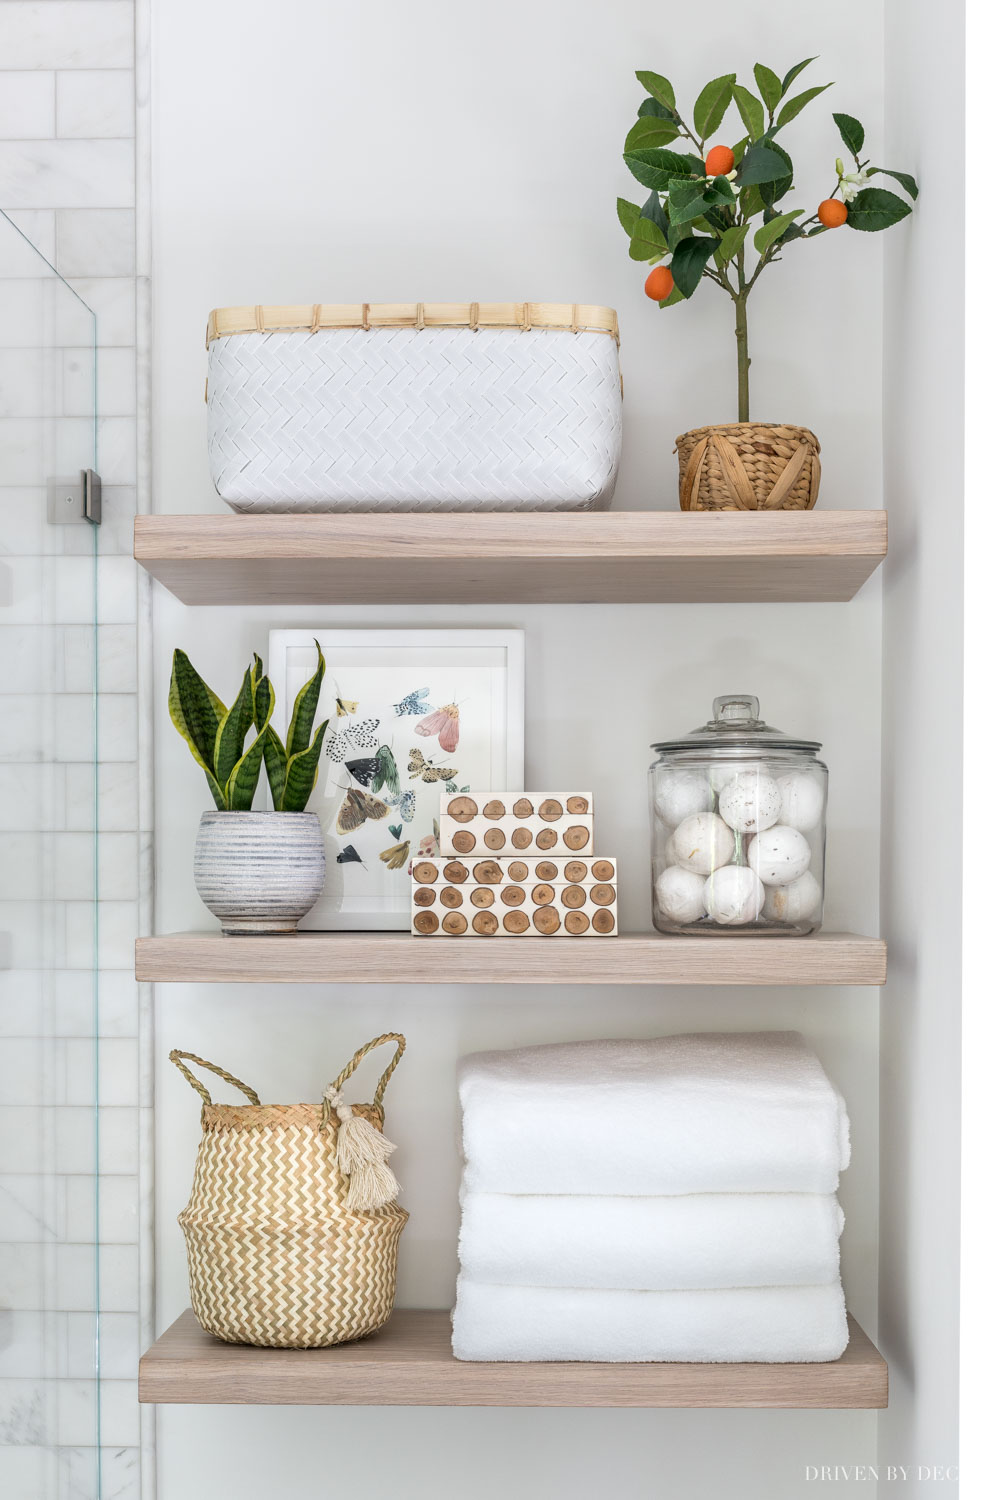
pixel 724 213
pixel 258 872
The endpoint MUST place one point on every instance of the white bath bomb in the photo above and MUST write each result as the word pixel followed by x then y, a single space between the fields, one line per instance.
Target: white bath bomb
pixel 733 895
pixel 795 902
pixel 666 851
pixel 750 802
pixel 726 771
pixel 680 794
pixel 680 894
pixel 801 801
pixel 780 855
pixel 702 843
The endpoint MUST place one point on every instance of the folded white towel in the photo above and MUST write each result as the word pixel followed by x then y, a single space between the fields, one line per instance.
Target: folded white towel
pixel 653 1244
pixel 718 1113
pixel 768 1324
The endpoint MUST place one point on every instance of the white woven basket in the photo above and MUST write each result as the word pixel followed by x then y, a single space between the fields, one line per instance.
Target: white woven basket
pixel 443 406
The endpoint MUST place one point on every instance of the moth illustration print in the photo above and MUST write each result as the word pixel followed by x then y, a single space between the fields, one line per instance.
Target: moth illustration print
pixel 444 723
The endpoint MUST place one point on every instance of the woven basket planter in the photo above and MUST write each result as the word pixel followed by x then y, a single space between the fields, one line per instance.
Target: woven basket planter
pixel 414 406
pixel 276 1255
pixel 748 466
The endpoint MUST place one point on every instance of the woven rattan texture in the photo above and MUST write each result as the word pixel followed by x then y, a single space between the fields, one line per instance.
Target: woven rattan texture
pixel 414 419
pixel 274 1258
pixel 748 466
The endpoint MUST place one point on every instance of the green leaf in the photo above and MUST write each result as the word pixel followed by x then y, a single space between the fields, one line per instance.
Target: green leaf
pixel 652 209
pixel 690 259
pixel 797 105
pixel 675 296
pixel 712 103
pixel 647 241
pixel 688 200
pixel 650 131
pixel 792 74
pixel 628 215
pixel 302 770
pixel 774 229
pixel 876 208
pixel 751 110
pixel 304 709
pixel 751 202
pixel 275 765
pixel 196 714
pixel 772 192
pixel 661 88
pixel 654 168
pixel 651 107
pixel 852 133
pixel 232 730
pixel 240 788
pixel 903 178
pixel 730 243
pixel 769 85
pixel 761 164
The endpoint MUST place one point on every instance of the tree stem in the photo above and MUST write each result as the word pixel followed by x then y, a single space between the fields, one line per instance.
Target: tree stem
pixel 742 357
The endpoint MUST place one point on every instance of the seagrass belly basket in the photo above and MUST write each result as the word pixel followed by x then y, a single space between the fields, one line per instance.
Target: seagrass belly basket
pixel 292 1227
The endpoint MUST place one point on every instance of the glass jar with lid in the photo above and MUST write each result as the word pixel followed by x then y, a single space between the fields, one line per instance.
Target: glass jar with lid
pixel 738 825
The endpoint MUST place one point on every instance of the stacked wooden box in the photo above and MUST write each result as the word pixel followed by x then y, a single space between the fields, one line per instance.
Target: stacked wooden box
pixel 546 883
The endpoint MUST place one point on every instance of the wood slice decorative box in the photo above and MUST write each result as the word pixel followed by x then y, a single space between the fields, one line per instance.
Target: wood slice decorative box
pixel 558 823
pixel 511 897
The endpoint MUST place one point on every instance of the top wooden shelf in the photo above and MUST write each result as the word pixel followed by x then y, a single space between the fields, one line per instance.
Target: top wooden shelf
pixel 604 557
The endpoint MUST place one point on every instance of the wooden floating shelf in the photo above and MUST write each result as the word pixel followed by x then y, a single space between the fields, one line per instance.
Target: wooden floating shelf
pixel 609 557
pixel 410 1363
pixel 397 958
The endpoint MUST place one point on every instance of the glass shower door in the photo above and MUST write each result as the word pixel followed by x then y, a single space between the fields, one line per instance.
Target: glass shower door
pixel 50 1270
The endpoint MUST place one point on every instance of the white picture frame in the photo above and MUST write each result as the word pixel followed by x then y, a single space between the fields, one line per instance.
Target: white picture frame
pixel 477 673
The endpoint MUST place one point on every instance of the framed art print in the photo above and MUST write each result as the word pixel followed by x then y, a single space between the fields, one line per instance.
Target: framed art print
pixel 413 713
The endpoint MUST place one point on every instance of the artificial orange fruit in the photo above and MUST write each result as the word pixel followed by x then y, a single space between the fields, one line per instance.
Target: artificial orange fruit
pixel 832 213
pixel 719 161
pixel 660 283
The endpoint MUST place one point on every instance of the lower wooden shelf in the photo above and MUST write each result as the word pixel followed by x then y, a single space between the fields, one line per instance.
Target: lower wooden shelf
pixel 410 1363
pixel 397 958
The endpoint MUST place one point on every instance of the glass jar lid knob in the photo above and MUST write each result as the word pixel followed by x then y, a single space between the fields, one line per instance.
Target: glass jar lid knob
pixel 736 708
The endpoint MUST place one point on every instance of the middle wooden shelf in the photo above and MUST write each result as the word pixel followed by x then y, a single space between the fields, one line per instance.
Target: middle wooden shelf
pixel 828 958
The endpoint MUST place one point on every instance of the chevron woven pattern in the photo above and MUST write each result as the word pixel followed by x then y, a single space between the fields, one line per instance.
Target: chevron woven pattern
pixel 274 1257
pixel 414 419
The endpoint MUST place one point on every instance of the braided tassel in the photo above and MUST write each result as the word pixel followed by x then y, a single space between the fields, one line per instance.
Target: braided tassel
pixel 362 1154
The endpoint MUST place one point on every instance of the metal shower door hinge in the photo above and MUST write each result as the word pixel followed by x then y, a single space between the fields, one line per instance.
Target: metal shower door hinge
pixel 72 500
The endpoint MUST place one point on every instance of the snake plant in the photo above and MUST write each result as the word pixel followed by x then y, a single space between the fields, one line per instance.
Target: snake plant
pixel 216 736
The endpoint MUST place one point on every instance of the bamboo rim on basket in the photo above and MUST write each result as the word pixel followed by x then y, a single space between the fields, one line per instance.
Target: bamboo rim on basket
pixel 572 317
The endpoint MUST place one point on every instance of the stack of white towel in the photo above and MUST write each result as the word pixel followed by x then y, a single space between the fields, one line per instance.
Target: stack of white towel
pixel 651 1200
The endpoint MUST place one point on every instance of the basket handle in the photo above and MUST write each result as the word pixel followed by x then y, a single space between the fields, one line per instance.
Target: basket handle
pixel 362 1052
pixel 199 1087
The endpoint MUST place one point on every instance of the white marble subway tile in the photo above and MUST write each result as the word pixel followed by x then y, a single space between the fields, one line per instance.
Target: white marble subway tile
pixel 68 34
pixel 120 1478
pixel 23 303
pixel 117 797
pixel 22 1277
pixel 24 872
pixel 119 1145
pixel 32 797
pixel 32 658
pixel 118 1071
pixel 118 866
pixel 95 104
pixel 29 1344
pixel 27 105
pixel 67 174
pixel 116 455
pixel 27 1410
pixel 117 1003
pixel 112 300
pixel 117 520
pixel 27 1003
pixel 25 1144
pixel 77 392
pixel 116 590
pixel 27 1473
pixel 75 1280
pixel 119 1272
pixel 119 1209
pixel 25 1070
pixel 116 398
pixel 37 727
pixel 31 933
pixel 29 382
pixel 38 225
pixel 76 1413
pixel 74 1139
pixel 117 726
pixel 29 1210
pixel 39 446
pixel 74 1079
pixel 95 242
pixel 116 659
pixel 117 927
pixel 120 1413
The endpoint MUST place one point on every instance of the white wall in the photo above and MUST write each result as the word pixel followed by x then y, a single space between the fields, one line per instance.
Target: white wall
pixel 922 729
pixel 442 151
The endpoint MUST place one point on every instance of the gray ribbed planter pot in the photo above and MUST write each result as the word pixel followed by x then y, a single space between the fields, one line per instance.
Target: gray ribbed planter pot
pixel 259 872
